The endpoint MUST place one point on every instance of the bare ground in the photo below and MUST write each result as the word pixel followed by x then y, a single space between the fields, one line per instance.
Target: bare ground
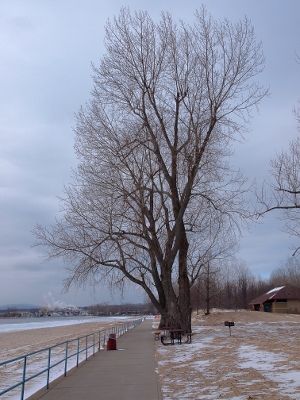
pixel 260 360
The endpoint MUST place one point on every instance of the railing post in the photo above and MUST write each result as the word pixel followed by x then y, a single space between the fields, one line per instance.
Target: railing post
pixel 23 378
pixel 66 359
pixel 86 348
pixel 49 365
pixel 77 359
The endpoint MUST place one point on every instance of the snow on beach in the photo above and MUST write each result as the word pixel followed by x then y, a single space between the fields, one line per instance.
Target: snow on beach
pixel 260 360
pixel 23 324
pixel 22 336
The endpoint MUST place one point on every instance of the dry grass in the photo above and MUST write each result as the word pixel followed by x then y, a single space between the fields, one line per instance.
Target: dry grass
pixel 260 360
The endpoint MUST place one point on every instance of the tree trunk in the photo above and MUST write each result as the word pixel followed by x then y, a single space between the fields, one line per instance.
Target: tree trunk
pixel 175 313
pixel 178 310
pixel 184 284
pixel 176 316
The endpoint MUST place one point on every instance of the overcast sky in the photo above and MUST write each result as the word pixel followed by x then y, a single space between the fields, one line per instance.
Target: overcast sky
pixel 46 50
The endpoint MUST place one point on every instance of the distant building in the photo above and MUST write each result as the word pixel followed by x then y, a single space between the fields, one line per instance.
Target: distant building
pixel 283 299
pixel 25 314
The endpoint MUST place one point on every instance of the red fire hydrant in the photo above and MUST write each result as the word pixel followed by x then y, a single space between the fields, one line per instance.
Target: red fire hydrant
pixel 112 342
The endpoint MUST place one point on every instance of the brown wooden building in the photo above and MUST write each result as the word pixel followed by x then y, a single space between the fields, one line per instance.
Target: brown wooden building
pixel 283 299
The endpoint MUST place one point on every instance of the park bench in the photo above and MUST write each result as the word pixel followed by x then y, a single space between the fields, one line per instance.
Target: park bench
pixel 157 335
pixel 175 336
pixel 189 337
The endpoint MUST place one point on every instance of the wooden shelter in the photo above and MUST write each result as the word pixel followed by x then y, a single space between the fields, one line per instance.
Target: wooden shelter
pixel 283 299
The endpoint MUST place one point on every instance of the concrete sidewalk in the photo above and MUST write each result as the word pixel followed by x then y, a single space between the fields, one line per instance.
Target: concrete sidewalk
pixel 127 373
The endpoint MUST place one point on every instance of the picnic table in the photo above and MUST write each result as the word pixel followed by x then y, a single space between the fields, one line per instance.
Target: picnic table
pixel 176 334
pixel 166 329
pixel 173 334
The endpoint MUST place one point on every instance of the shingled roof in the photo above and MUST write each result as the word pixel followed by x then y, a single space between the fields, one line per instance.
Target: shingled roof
pixel 286 292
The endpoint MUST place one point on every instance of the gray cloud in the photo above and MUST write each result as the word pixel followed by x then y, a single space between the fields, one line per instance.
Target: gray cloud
pixel 45 75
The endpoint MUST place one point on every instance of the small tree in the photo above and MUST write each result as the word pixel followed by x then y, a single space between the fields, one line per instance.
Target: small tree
pixel 154 198
pixel 206 290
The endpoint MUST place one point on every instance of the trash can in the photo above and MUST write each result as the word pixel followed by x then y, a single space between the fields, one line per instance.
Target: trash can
pixel 112 342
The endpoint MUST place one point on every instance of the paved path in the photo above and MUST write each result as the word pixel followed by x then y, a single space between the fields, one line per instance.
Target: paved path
pixel 127 373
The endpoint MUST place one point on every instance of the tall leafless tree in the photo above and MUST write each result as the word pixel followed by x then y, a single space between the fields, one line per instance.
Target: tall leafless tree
pixel 154 197
pixel 244 281
pixel 281 189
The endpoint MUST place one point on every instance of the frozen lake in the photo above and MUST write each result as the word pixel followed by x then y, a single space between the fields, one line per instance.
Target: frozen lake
pixel 20 324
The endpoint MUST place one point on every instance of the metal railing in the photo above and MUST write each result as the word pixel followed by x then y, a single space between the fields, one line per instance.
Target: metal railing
pixel 57 355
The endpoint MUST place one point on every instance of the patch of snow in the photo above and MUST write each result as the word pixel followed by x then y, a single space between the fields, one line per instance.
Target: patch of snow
pixel 275 289
pixel 258 359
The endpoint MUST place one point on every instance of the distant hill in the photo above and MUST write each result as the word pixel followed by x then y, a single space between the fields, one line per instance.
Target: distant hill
pixel 22 306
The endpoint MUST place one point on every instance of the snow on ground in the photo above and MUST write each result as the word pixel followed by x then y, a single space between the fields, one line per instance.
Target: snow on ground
pixel 260 360
pixel 18 339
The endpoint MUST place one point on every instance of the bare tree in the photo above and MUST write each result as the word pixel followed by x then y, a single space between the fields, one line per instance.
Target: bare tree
pixel 210 287
pixel 235 281
pixel 154 197
pixel 287 273
pixel 244 281
pixel 281 189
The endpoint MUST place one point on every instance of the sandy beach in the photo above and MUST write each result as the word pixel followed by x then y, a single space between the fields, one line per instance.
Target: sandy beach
pixel 15 344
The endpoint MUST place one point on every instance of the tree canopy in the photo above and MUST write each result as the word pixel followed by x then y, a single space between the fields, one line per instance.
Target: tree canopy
pixel 154 198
